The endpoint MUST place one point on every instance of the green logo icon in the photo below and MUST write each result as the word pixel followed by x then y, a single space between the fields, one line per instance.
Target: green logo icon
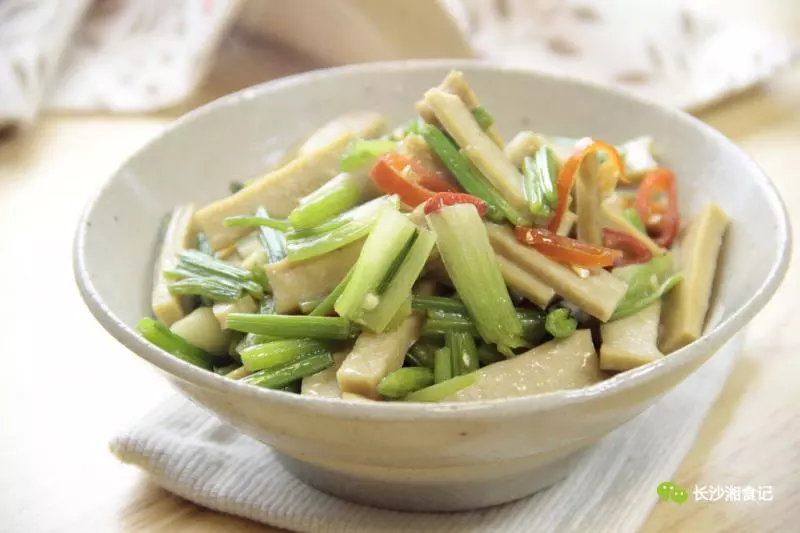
pixel 670 491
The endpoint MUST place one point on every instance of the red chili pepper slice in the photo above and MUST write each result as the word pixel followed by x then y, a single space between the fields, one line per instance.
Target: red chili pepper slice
pixel 566 250
pixel 443 199
pixel 566 177
pixel 633 251
pixel 657 182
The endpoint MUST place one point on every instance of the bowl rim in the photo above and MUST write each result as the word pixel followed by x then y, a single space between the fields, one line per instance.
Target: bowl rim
pixel 478 409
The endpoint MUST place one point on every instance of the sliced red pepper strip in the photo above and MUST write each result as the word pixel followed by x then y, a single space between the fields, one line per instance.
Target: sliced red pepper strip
pixel 656 182
pixel 566 177
pixel 391 175
pixel 633 251
pixel 566 250
pixel 433 180
pixel 444 199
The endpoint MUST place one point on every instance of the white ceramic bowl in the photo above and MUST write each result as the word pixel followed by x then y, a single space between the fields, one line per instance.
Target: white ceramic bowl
pixel 406 456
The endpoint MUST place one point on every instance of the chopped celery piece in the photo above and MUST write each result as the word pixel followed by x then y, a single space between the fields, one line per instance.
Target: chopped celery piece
pixel 488 354
pixel 203 265
pixel 160 335
pixel 540 174
pixel 442 365
pixel 307 306
pixel 326 306
pixel 273 240
pixel 291 326
pixel 267 307
pixel 386 241
pixel 412 126
pixel 632 216
pixel 483 118
pixel 438 302
pixel 442 390
pixel 336 196
pixel 212 287
pixel 560 323
pixel 347 228
pixel 646 284
pixel 403 312
pixel 468 176
pixel 443 322
pixel 463 352
pixel 397 293
pixel 404 381
pixel 421 354
pixel 276 378
pixel 256 221
pixel 277 353
pixel 628 307
pixel 472 267
pixel 362 152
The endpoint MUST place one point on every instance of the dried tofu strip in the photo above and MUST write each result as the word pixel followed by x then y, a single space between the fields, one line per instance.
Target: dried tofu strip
pixel 613 219
pixel 358 124
pixel 178 236
pixel 598 294
pixel 567 223
pixel 687 304
pixel 324 383
pixel 524 144
pixel 631 341
pixel 525 283
pixel 415 147
pixel 454 83
pixel 375 355
pixel 484 154
pixel 278 191
pixel 296 282
pixel 587 200
pixel 245 304
pixel 569 363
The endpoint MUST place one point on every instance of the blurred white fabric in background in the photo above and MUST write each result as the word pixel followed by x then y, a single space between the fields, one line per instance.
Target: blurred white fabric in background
pixel 144 55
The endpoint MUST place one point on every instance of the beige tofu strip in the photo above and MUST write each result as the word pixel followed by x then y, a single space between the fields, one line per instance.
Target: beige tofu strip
pixel 200 328
pixel 613 219
pixel 359 124
pixel 178 236
pixel 567 223
pixel 454 83
pixel 525 283
pixel 587 200
pixel 569 363
pixel 524 144
pixel 476 145
pixel 598 294
pixel 631 341
pixel 375 355
pixel 296 282
pixel 245 304
pixel 278 191
pixel 324 383
pixel 415 147
pixel 686 305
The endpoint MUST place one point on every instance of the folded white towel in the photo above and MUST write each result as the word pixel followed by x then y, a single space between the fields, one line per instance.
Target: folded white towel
pixel 612 489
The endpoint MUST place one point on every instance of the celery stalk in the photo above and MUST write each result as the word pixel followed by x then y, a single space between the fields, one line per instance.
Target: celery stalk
pixel 291 326
pixel 403 381
pixel 277 353
pixel 272 240
pixel 256 221
pixel 442 365
pixel 160 335
pixel 442 390
pixel 277 378
pixel 334 197
pixel 386 241
pixel 399 288
pixel 472 267
pixel 362 152
pixel 345 229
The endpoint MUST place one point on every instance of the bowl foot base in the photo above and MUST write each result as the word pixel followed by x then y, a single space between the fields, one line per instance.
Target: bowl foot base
pixel 447 495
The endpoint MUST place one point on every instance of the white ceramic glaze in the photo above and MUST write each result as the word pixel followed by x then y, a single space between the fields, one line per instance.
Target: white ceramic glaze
pixel 407 456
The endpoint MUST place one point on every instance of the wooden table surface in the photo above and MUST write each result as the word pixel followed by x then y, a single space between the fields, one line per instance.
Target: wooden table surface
pixel 68 386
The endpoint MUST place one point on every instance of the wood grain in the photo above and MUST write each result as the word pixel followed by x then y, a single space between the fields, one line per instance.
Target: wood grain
pixel 68 386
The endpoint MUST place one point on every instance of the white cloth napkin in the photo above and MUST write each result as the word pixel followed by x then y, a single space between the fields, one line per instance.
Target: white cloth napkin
pixel 611 490
pixel 144 55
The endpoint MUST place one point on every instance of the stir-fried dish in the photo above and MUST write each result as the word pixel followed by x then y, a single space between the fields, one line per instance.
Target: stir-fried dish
pixel 434 262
